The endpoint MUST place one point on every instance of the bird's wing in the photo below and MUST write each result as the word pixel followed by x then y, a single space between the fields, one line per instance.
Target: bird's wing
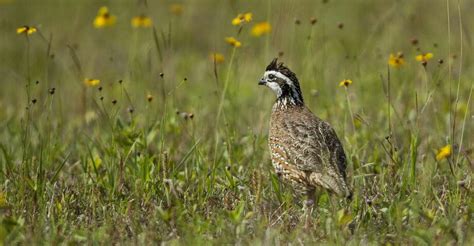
pixel 338 156
pixel 315 148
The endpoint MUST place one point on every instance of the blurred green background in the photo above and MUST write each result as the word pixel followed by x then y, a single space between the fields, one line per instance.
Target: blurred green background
pixel 177 151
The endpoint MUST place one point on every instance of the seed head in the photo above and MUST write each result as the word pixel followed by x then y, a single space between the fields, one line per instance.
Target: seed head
pixel 185 115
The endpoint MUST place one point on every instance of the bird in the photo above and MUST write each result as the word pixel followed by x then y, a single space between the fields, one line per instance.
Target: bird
pixel 305 150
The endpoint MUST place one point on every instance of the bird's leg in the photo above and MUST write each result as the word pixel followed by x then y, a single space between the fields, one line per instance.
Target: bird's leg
pixel 308 208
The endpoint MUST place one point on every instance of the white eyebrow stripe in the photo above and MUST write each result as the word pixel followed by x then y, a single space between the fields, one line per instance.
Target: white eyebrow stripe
pixel 280 75
pixel 288 81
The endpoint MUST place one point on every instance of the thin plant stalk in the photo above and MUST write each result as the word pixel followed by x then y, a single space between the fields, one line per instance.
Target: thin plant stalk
pixel 459 77
pixel 226 84
pixel 464 126
pixel 28 96
pixel 349 106
pixel 219 110
pixel 449 72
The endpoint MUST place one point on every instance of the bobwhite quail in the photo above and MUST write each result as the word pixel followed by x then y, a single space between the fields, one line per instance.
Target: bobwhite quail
pixel 305 150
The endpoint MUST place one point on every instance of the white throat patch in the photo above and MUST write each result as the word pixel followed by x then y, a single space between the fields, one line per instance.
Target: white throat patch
pixel 275 88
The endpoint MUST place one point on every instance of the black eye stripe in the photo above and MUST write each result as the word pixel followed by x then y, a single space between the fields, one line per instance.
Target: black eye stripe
pixel 271 76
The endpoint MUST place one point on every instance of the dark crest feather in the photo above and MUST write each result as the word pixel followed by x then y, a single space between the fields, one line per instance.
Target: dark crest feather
pixel 273 65
pixel 280 67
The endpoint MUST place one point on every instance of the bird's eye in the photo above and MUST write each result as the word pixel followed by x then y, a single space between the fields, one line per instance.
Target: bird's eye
pixel 271 76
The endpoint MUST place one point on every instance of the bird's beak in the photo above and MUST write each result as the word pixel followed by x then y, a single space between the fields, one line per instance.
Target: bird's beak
pixel 262 82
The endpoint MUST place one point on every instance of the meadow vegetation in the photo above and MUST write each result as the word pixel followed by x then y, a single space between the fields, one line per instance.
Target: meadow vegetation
pixel 141 121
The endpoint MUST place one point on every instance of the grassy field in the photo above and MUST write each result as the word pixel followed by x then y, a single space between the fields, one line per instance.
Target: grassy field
pixel 116 129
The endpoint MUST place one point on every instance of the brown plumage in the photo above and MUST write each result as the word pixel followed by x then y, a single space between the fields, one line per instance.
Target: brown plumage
pixel 305 150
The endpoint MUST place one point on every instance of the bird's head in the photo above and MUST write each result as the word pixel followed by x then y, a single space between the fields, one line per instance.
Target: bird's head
pixel 283 82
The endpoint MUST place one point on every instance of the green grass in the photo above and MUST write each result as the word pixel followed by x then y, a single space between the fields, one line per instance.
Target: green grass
pixel 76 168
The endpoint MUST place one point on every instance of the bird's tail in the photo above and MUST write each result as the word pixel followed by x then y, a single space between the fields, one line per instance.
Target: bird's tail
pixel 332 184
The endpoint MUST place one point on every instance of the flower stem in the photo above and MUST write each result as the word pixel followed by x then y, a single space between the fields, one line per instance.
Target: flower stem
pixel 350 108
pixel 226 85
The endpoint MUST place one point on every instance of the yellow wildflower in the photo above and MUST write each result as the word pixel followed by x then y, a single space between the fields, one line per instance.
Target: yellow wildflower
pixel 91 82
pixel 216 57
pixel 241 18
pixel 28 30
pixel 176 9
pixel 424 58
pixel 261 28
pixel 104 18
pixel 397 60
pixel 234 42
pixel 345 83
pixel 141 21
pixel 444 152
